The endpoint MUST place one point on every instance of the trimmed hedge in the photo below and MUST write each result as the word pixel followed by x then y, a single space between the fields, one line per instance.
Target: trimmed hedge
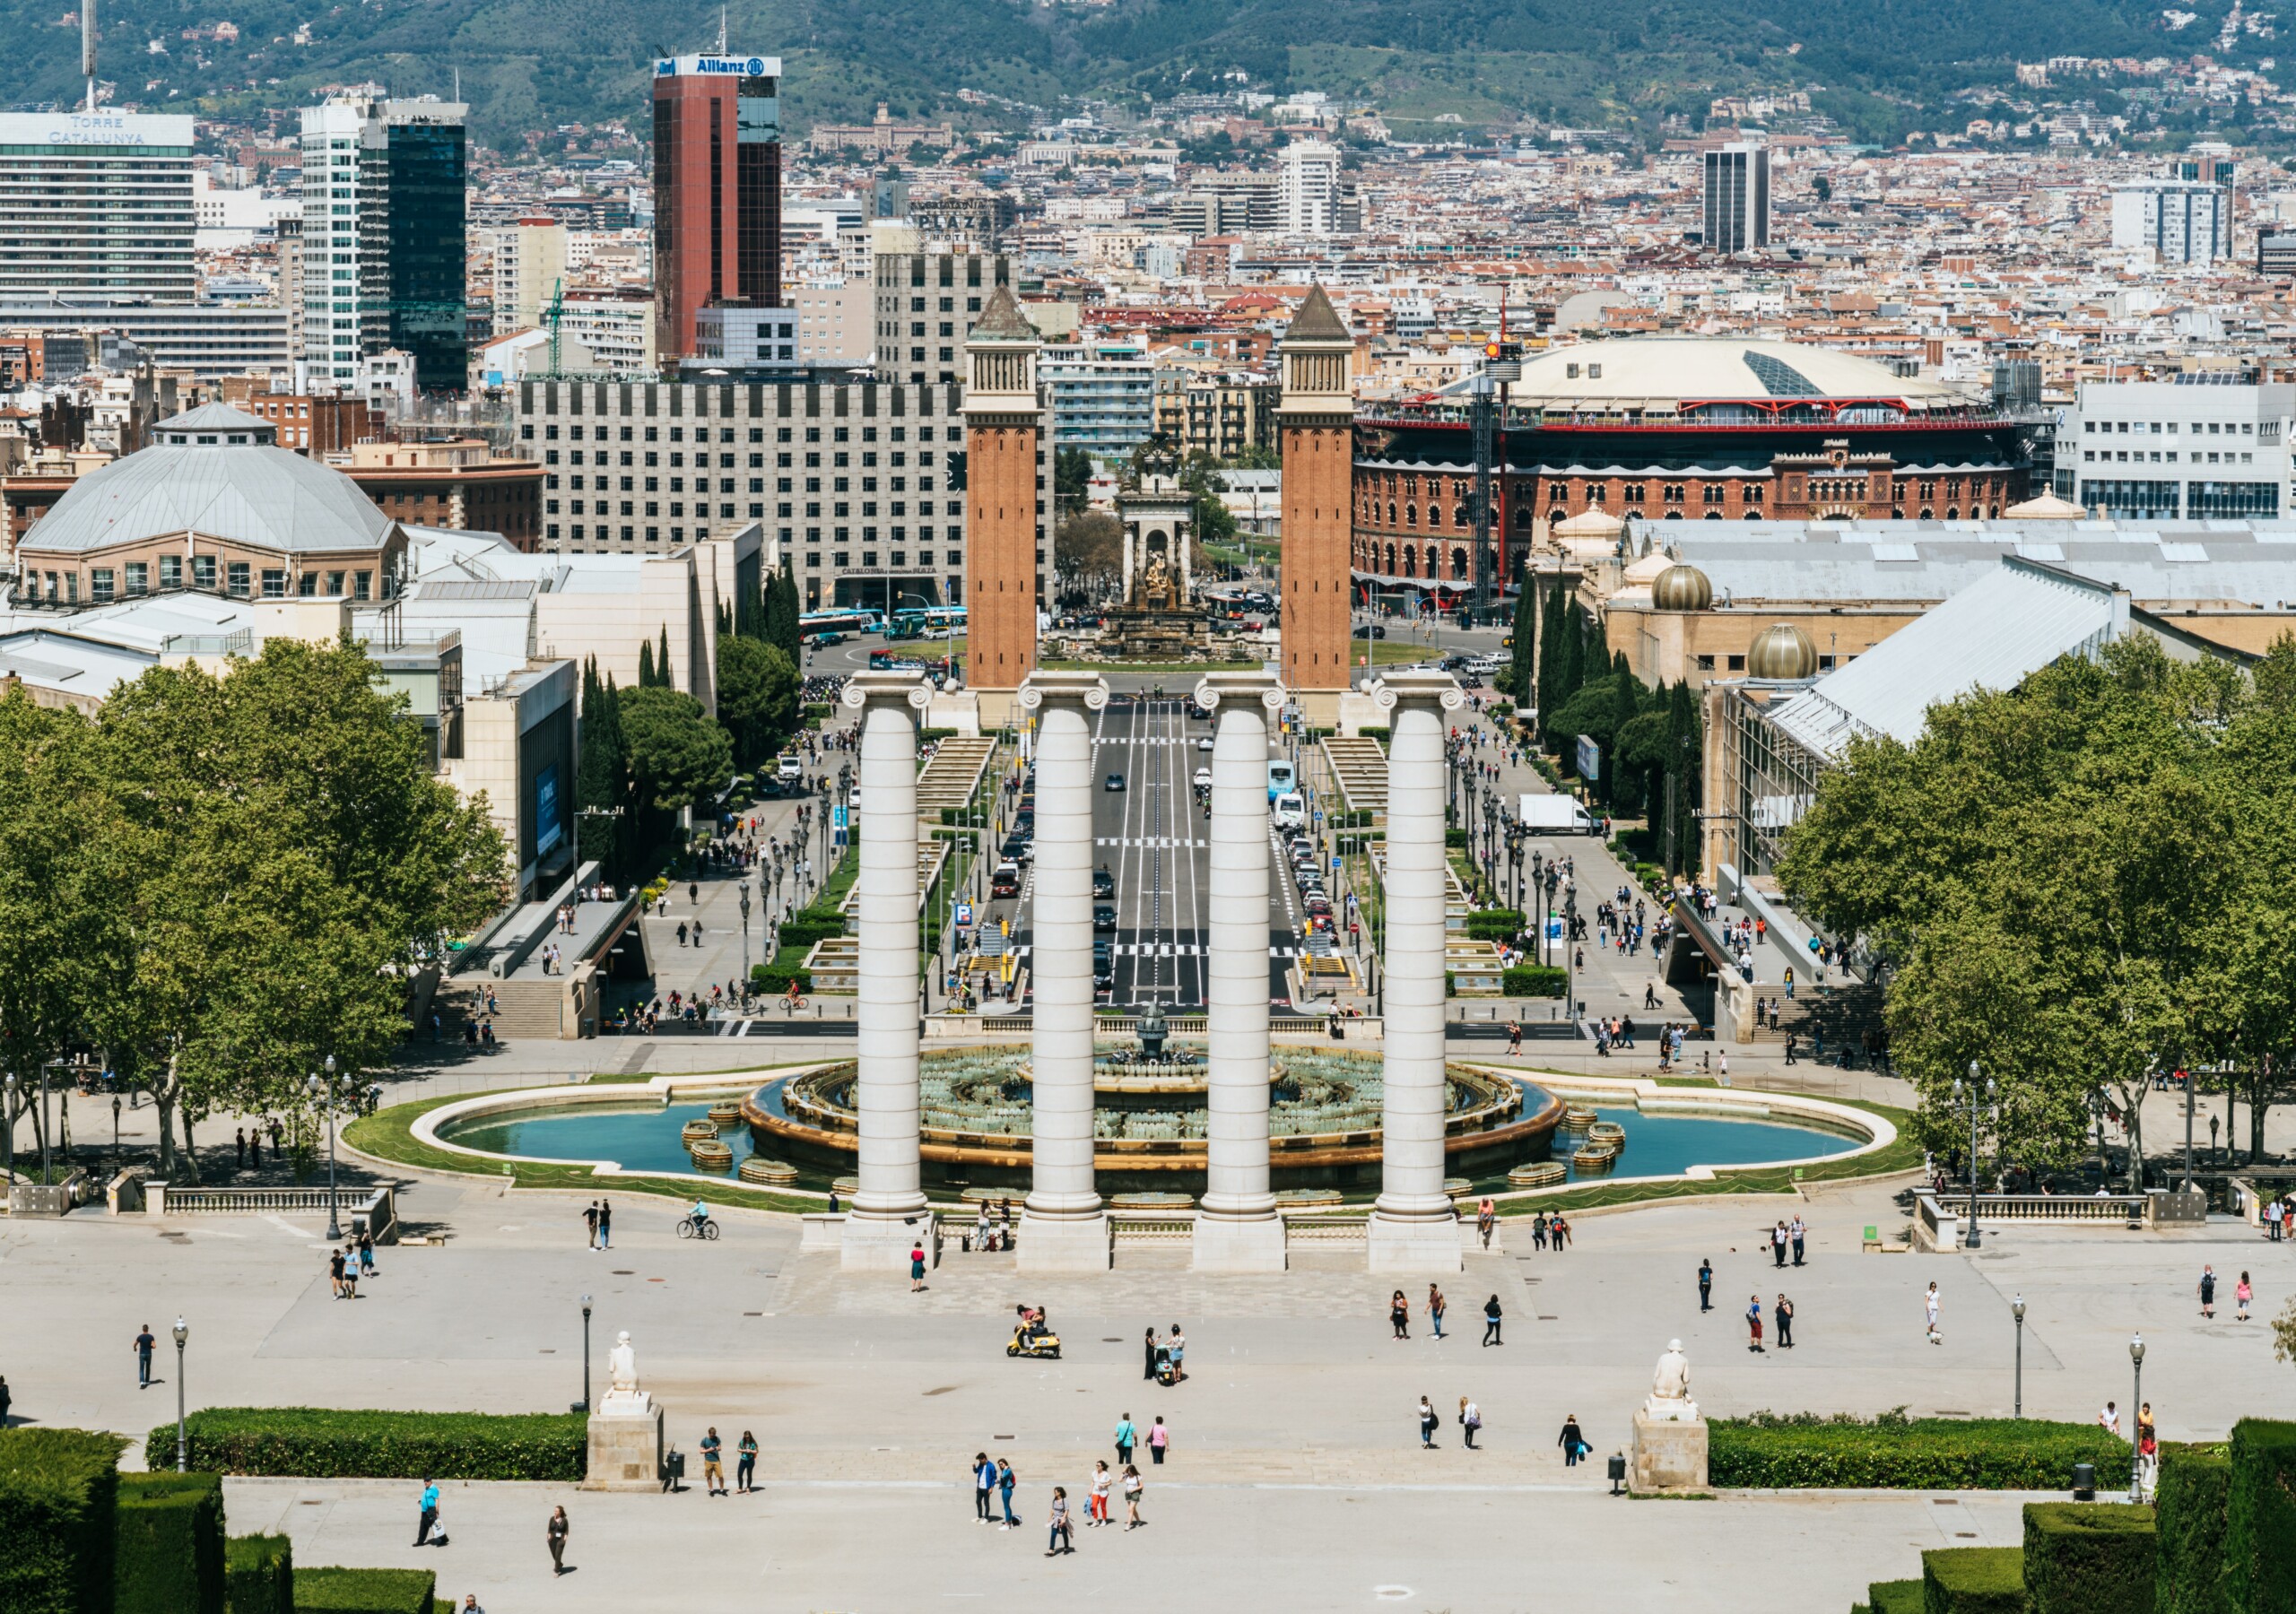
pixel 59 1497
pixel 366 1591
pixel 259 1575
pixel 1973 1580
pixel 803 932
pixel 319 1443
pixel 2196 1488
pixel 1799 1451
pixel 776 977
pixel 1894 1597
pixel 1533 980
pixel 169 1544
pixel 2090 1558
pixel 1494 924
pixel 2260 1519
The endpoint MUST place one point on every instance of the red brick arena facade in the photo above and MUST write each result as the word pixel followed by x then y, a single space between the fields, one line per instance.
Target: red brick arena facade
pixel 1673 428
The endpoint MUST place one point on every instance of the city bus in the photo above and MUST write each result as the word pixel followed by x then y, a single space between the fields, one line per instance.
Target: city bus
pixel 841 620
pixel 917 621
pixel 1282 779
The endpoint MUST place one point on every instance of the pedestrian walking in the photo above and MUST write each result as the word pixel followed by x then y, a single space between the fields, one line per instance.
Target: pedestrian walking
pixel 590 1222
pixel 1098 1505
pixel 2241 1295
pixel 1753 1324
pixel 984 1487
pixel 1514 1038
pixel 1559 1232
pixel 1006 1480
pixel 1132 1489
pixel 1148 1348
pixel 1706 1286
pixel 1435 1307
pixel 429 1516
pixel 2208 1291
pixel 1781 1310
pixel 1486 1217
pixel 4 1399
pixel 350 1271
pixel 1491 1320
pixel 605 1224
pixel 1399 1313
pixel 144 1345
pixel 1175 1349
pixel 555 1534
pixel 240 1146
pixel 1159 1438
pixel 1427 1424
pixel 1128 1436
pixel 713 1467
pixel 1573 1442
pixel 1797 1232
pixel 1470 1420
pixel 1777 1244
pixel 366 1254
pixel 1929 1306
pixel 1538 1231
pixel 917 1267
pixel 745 1464
pixel 335 1271
pixel 1062 1539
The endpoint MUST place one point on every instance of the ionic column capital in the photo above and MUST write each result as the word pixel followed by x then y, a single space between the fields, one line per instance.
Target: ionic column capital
pixel 1256 684
pixel 1041 687
pixel 1411 686
pixel 888 686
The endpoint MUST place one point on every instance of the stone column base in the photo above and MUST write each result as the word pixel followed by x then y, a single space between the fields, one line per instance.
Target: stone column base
pixel 1049 1244
pixel 1413 1246
pixel 1221 1245
pixel 625 1451
pixel 874 1244
pixel 1667 1455
pixel 1319 709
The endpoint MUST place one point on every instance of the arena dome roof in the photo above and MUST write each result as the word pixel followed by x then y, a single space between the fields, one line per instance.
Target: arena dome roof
pixel 1662 374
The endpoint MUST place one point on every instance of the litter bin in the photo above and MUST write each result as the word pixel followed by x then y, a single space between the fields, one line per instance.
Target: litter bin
pixel 674 1470
pixel 1618 1470
pixel 2084 1482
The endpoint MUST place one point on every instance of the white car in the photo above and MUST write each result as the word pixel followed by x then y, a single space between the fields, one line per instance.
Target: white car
pixel 1203 778
pixel 1204 742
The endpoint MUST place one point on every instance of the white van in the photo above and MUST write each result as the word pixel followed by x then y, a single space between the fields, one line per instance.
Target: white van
pixel 1291 810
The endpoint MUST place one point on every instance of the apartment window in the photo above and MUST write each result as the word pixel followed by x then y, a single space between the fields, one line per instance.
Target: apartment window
pixel 139 578
pixel 362 586
pixel 100 586
pixel 307 584
pixel 171 571
pixel 275 583
pixel 1737 664
pixel 202 572
pixel 237 572
pixel 1706 663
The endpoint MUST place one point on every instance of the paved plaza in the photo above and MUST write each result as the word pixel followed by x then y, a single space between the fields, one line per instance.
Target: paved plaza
pixel 1295 1479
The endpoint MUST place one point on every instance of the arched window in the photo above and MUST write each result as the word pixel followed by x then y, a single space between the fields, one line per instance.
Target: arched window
pixel 1434 514
pixel 1951 514
pixel 1927 514
pixel 1410 515
pixel 1458 564
pixel 1522 516
pixel 1391 512
pixel 1391 559
pixel 1460 517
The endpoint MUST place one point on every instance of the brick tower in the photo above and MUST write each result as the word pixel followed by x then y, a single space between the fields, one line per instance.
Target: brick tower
pixel 1003 426
pixel 1317 420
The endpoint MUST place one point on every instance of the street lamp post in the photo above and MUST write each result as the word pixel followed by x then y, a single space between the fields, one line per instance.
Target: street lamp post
pixel 1977 1095
pixel 1570 941
pixel 43 1127
pixel 2188 1086
pixel 327 1091
pixel 2135 1410
pixel 745 931
pixel 2097 1113
pixel 2017 1310
pixel 8 1126
pixel 584 1404
pixel 1538 884
pixel 183 1465
pixel 115 1131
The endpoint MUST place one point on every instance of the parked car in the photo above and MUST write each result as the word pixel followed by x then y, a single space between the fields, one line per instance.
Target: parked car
pixel 1370 631
pixel 1103 884
pixel 1006 881
pixel 1203 778
pixel 1114 782
pixel 1104 915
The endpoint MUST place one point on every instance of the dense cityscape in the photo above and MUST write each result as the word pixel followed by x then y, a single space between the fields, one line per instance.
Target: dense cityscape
pixel 1253 696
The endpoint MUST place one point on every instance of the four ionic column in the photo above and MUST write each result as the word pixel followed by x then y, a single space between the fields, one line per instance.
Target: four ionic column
pixel 1063 1227
pixel 1237 1227
pixel 887 1217
pixel 1414 1228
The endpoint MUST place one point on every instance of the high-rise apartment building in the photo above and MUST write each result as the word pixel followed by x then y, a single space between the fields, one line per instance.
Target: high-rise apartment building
pixel 96 203
pixel 927 304
pixel 383 239
pixel 530 267
pixel 2178 220
pixel 1306 189
pixel 1736 216
pixel 716 190
pixel 1103 395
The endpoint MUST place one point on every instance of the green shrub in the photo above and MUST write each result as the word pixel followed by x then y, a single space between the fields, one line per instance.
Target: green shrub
pixel 366 1592
pixel 323 1444
pixel 776 977
pixel 60 1495
pixel 1786 1452
pixel 1894 1597
pixel 169 1544
pixel 259 1575
pixel 2260 1519
pixel 2088 1557
pixel 807 929
pixel 1456 839
pixel 1974 1580
pixel 1534 981
pixel 2196 1487
pixel 1494 924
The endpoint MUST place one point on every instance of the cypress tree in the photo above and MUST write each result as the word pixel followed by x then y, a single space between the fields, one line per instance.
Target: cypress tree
pixel 645 663
pixel 1518 673
pixel 780 616
pixel 662 663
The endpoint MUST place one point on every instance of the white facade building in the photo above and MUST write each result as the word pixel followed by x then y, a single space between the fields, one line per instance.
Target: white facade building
pixel 96 203
pixel 1306 189
pixel 2186 449
pixel 2177 221
pixel 1103 395
pixel 529 268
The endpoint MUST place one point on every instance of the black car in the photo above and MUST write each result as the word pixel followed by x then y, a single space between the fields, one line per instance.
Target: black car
pixel 1103 884
pixel 1104 917
pixel 1115 782
pixel 1370 631
pixel 1103 962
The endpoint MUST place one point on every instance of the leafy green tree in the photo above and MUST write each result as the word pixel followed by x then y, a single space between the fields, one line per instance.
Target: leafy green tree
pixel 662 674
pixel 1522 685
pixel 645 663
pixel 781 617
pixel 603 783
pixel 757 698
pixel 1072 476
pixel 676 751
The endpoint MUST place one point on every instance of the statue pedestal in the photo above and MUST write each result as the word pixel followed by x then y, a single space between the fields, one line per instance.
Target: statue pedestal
pixel 625 1451
pixel 1053 1244
pixel 1221 1246
pixel 1398 1245
pixel 1668 1455
pixel 882 1244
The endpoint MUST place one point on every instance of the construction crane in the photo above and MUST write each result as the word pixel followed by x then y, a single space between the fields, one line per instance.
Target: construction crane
pixel 550 316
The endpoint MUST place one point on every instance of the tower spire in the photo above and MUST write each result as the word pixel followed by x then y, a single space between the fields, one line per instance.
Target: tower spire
pixel 87 48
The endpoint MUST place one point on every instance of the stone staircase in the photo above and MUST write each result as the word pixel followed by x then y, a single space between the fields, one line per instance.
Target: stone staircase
pixel 1842 1014
pixel 527 1009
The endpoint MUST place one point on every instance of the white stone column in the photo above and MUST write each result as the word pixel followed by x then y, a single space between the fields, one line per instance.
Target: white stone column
pixel 1064 1227
pixel 1414 1228
pixel 1237 1227
pixel 888 1213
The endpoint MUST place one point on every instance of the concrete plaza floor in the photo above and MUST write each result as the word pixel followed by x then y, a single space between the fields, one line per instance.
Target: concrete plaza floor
pixel 1295 1480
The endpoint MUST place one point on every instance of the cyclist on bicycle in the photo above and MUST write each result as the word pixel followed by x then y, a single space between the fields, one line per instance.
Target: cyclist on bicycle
pixel 698 1216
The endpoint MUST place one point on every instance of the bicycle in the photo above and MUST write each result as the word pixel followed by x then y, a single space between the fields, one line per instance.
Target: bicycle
pixel 793 1001
pixel 688 1228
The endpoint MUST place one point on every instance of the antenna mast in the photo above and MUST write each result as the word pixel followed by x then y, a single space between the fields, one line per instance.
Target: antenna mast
pixel 87 48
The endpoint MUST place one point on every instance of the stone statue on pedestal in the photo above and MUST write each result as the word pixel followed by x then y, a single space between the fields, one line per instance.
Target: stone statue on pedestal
pixel 1670 1401
pixel 624 1397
